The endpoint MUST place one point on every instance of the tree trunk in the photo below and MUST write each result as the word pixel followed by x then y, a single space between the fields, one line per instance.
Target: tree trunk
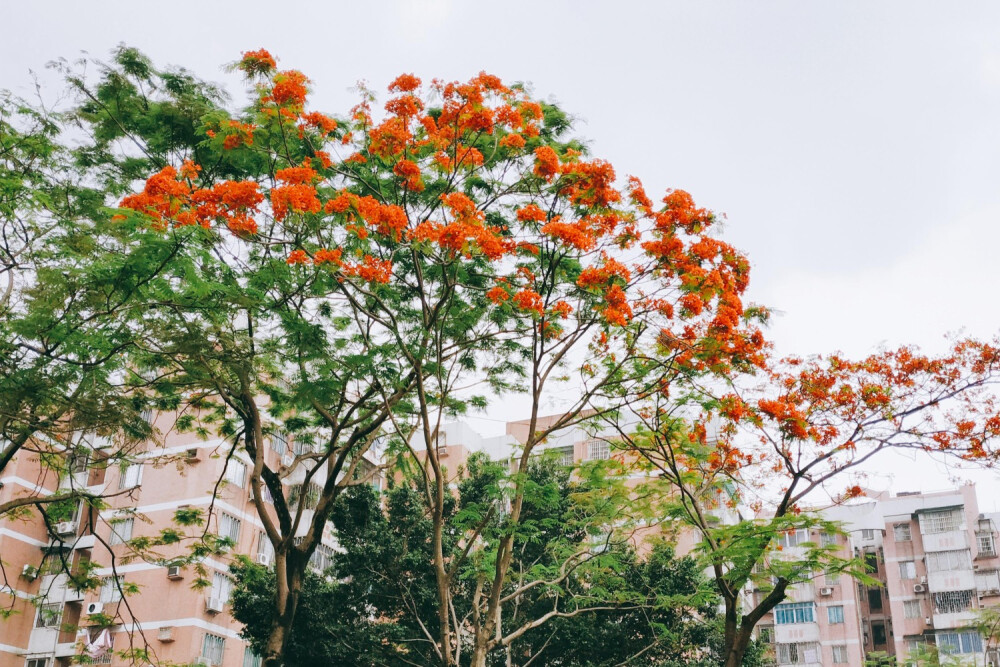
pixel 734 657
pixel 288 589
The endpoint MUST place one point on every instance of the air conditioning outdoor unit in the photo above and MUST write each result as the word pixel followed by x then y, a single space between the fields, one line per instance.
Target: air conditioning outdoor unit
pixel 264 559
pixel 65 528
pixel 174 572
pixel 165 634
pixel 827 590
pixel 919 588
pixel 191 456
pixel 286 459
pixel 29 572
pixel 213 605
pixel 95 607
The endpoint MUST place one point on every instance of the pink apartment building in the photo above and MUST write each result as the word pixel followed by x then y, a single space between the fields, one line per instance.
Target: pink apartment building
pixel 169 618
pixel 934 556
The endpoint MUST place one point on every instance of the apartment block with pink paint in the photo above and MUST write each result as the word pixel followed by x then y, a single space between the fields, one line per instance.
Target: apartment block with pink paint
pixel 170 619
pixel 934 558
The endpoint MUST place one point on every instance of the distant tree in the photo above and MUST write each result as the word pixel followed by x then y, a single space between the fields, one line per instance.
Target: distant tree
pixel 377 605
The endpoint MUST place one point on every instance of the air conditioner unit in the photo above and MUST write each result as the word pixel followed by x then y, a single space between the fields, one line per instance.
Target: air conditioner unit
pixel 29 572
pixel 286 459
pixel 191 456
pixel 213 605
pixel 65 527
pixel 165 634
pixel 202 660
pixel 264 559
pixel 827 590
pixel 95 608
pixel 919 588
pixel 174 572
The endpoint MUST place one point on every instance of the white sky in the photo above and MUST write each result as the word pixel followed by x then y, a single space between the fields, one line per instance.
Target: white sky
pixel 854 146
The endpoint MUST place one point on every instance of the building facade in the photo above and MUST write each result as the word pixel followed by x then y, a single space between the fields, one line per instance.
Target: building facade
pixel 934 560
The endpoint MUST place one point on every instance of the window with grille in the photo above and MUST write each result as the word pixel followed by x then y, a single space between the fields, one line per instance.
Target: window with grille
pixel 940 522
pixel 598 449
pixel 131 476
pixel 868 534
pixel 236 472
pixel 968 641
pixel 312 493
pixel 212 648
pixel 565 455
pixel 793 538
pixel 121 530
pixel 794 612
pixel 264 546
pixel 987 580
pixel 279 442
pixel 322 558
pixel 827 539
pixel 839 654
pixel 111 589
pixel 49 615
pixel 300 446
pixel 901 532
pixel 765 634
pixel 78 460
pixel 907 569
pixel 222 586
pixel 911 608
pixel 946 561
pixel 952 602
pixel 229 527
pixel 251 659
pixel 798 654
pixel 835 614
pixel 987 547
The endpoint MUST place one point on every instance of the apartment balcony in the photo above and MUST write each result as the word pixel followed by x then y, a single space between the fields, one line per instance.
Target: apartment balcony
pixel 796 633
pixel 952 621
pixel 953 580
pixel 947 541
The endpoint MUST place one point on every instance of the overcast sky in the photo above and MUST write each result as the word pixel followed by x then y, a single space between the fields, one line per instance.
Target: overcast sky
pixel 854 146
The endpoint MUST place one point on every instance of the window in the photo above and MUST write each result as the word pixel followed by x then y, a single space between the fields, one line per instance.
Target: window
pixel 835 614
pixel 312 494
pixel 322 558
pixel 878 634
pixel 951 602
pixel 871 562
pixel 765 634
pixel 907 569
pixel 251 659
pixel 222 586
pixel 212 648
pixel 968 641
pixel 49 615
pixel 279 442
pixel 839 654
pixel 229 527
pixel 911 608
pixel 868 534
pixel 793 538
pixel 598 449
pixel 111 589
pixel 987 580
pixel 36 662
pixel 794 612
pixel 131 476
pixel 264 546
pixel 901 532
pixel 941 521
pixel 827 539
pixel 798 654
pixel 236 472
pixel 565 454
pixel 121 530
pixel 300 446
pixel 832 578
pixel 984 541
pixel 874 599
pixel 946 561
pixel 78 460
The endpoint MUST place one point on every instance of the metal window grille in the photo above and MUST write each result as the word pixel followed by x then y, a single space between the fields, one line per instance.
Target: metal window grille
pixel 951 602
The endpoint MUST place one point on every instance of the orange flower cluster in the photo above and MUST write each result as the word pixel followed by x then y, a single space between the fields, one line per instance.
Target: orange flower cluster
pixel 289 88
pixel 169 198
pixel 257 62
pixel 588 183
pixel 295 198
pixel 546 163
pixel 370 270
pixel 314 119
pixel 497 294
pixel 238 134
pixel 410 173
pixel 531 301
